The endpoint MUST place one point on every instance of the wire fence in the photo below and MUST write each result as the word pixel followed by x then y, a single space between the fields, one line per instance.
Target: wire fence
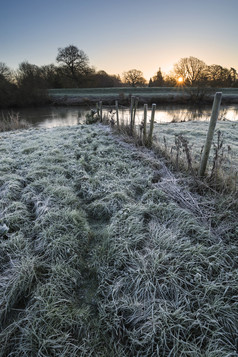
pixel 139 125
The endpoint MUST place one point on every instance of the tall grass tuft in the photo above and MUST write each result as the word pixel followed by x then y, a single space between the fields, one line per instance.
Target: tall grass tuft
pixel 12 121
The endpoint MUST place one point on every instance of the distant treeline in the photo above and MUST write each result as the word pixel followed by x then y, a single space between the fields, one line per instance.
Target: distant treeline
pixel 192 72
pixel 27 86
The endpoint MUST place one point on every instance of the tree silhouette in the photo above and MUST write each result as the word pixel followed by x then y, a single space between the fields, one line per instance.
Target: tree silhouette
pixel 191 69
pixel 157 80
pixel 5 71
pixel 134 78
pixel 75 62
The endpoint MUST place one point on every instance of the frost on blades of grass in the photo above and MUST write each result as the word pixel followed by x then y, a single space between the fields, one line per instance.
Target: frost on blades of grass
pixel 195 133
pixel 163 292
pixel 102 254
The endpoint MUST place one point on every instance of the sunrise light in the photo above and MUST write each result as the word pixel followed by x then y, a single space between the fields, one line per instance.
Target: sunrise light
pixel 180 80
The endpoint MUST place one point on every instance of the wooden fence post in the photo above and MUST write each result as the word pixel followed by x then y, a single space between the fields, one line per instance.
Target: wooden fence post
pixel 145 123
pixel 149 141
pixel 210 133
pixel 134 111
pixel 100 110
pixel 97 109
pixel 117 113
pixel 131 113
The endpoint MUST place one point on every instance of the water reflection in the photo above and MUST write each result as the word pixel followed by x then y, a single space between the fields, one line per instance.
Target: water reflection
pixel 49 117
pixel 182 114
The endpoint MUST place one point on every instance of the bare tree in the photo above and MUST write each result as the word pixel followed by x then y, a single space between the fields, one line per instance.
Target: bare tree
pixel 217 75
pixel 5 72
pixel 8 90
pixel 75 61
pixel 233 76
pixel 134 78
pixel 191 69
pixel 29 75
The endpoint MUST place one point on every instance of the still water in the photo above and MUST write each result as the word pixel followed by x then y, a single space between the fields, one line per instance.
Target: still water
pixel 49 117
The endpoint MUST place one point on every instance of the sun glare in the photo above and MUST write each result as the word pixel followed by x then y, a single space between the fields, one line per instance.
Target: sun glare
pixel 180 80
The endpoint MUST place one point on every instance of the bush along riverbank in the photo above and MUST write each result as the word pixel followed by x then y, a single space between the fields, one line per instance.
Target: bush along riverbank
pixel 105 252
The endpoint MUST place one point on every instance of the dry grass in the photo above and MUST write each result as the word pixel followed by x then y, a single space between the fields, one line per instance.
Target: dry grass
pixel 12 122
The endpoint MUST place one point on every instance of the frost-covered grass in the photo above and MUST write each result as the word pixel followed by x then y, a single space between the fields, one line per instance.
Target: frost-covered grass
pixel 113 91
pixel 104 252
pixel 195 133
pixel 146 94
pixel 130 90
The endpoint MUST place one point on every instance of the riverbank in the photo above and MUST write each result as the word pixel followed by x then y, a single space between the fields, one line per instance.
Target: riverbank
pixel 82 96
pixel 106 252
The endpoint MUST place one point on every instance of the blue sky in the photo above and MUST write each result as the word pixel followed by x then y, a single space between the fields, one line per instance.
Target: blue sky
pixel 119 35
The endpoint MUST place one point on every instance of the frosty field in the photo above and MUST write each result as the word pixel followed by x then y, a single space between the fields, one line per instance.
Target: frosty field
pixel 79 96
pixel 105 252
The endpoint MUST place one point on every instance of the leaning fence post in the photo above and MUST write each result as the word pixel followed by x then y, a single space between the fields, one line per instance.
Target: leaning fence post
pixel 149 142
pixel 100 110
pixel 210 133
pixel 117 113
pixel 145 123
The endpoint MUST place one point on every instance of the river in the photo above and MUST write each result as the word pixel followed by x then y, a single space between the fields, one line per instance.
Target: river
pixel 49 117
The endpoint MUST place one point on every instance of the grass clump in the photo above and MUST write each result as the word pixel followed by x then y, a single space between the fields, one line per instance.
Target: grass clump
pixel 12 122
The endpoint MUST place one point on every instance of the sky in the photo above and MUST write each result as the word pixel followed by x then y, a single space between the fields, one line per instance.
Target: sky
pixel 119 35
